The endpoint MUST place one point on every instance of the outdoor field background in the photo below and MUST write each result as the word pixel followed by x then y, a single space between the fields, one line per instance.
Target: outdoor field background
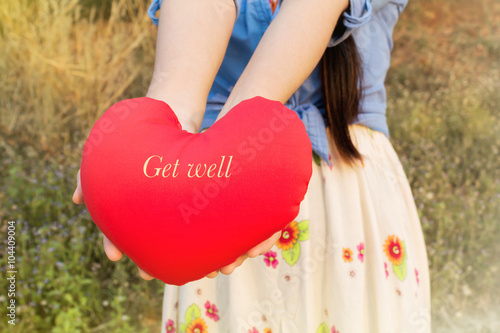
pixel 63 63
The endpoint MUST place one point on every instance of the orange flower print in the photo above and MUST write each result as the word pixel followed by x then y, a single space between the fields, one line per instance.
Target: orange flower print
pixel 394 250
pixel 197 326
pixel 268 330
pixel 288 237
pixel 273 4
pixel 347 254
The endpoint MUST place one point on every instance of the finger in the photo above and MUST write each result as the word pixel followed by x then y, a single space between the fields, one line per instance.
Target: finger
pixel 264 246
pixel 145 275
pixel 213 274
pixel 226 270
pixel 78 195
pixel 112 252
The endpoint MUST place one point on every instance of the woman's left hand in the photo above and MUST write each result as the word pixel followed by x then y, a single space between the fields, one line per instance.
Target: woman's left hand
pixel 262 248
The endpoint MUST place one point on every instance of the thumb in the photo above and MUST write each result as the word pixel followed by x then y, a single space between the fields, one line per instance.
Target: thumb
pixel 78 194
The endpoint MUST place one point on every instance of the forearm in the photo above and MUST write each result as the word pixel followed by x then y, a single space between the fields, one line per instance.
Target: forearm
pixel 289 50
pixel 192 40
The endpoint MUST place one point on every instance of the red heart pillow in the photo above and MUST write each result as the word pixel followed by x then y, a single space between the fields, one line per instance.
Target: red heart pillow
pixel 182 205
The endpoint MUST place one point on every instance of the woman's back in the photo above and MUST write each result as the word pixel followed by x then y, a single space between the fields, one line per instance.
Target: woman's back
pixel 372 32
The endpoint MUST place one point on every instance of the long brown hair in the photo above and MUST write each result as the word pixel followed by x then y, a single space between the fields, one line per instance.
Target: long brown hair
pixel 341 77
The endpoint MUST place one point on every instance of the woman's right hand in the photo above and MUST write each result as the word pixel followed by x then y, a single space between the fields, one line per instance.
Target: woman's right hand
pixel 182 78
pixel 257 250
pixel 112 252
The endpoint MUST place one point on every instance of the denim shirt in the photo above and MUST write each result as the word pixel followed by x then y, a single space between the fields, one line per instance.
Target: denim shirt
pixel 371 24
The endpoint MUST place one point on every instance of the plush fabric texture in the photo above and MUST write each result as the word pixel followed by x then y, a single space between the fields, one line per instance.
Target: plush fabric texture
pixel 182 205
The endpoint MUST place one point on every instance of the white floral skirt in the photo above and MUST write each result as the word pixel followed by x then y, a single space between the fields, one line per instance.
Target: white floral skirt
pixel 354 260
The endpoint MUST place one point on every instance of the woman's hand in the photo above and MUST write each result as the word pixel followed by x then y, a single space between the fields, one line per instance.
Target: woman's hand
pixel 182 78
pixel 262 248
pixel 112 252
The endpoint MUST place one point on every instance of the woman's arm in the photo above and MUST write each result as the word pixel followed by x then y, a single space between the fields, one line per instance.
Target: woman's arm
pixel 287 54
pixel 192 40
pixel 289 50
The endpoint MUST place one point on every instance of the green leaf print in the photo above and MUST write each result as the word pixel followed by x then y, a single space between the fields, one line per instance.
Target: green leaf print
pixel 400 270
pixel 182 327
pixel 292 255
pixel 323 328
pixel 304 230
pixel 316 158
pixel 304 235
pixel 192 313
pixel 303 227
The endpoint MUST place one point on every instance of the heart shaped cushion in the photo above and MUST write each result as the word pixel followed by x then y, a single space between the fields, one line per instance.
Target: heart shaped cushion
pixel 182 205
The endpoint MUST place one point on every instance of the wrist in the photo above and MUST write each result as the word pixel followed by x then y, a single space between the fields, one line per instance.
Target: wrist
pixel 189 112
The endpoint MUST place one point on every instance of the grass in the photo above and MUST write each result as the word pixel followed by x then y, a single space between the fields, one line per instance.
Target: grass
pixel 444 120
pixel 64 62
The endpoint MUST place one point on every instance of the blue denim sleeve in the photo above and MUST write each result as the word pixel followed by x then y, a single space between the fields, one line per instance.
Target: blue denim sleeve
pixel 238 6
pixel 153 8
pixel 358 14
pixel 377 4
pixel 156 4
